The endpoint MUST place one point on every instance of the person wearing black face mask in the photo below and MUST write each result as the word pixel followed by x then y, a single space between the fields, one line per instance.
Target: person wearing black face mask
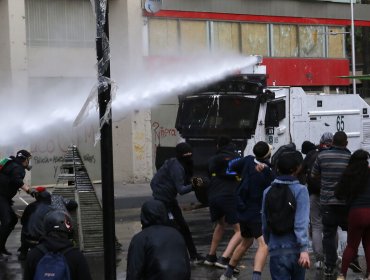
pixel 175 177
pixel 12 173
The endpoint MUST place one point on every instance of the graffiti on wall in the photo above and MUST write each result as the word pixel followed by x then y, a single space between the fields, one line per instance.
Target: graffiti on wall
pixel 139 142
pixel 48 153
pixel 59 143
pixel 160 132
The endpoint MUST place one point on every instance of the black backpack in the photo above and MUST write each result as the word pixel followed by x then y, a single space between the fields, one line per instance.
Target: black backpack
pixel 4 162
pixel 280 206
pixel 313 184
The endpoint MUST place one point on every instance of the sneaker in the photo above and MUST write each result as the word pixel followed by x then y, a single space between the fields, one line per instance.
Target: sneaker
pixel 210 260
pixel 236 271
pixel 329 272
pixel 5 252
pixel 319 265
pixel 223 277
pixel 222 262
pixel 355 266
pixel 339 261
pixel 341 277
pixel 198 259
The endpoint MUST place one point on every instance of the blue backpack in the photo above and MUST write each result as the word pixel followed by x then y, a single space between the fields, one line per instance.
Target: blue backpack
pixel 53 265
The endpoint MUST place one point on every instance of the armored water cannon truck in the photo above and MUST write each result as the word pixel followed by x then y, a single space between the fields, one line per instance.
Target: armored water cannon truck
pixel 243 107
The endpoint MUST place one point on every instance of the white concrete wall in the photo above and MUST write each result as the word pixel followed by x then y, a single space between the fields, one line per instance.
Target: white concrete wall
pixel 61 62
pixel 132 135
pixel 13 58
pixel 13 50
pixel 5 76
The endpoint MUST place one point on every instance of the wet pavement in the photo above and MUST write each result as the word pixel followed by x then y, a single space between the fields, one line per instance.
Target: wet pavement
pixel 128 201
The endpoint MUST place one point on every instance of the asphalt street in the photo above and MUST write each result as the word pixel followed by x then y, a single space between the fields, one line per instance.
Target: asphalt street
pixel 128 200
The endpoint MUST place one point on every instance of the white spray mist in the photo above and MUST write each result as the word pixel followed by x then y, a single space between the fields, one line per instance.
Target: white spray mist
pixel 56 107
pixel 149 87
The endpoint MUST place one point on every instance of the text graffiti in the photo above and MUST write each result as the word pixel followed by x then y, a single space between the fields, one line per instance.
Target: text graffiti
pixel 162 132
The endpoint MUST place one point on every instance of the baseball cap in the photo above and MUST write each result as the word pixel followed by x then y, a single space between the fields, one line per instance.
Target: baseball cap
pixel 326 138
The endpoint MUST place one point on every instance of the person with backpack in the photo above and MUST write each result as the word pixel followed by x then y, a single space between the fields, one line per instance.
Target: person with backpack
pixel 55 257
pixel 12 173
pixel 222 201
pixel 285 219
pixel 290 149
pixel 158 251
pixel 32 222
pixel 256 175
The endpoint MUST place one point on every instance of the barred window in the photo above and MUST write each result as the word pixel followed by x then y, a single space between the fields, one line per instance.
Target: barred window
pixel 60 23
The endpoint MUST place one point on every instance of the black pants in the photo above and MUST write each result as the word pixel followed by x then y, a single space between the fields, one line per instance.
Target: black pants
pixel 27 243
pixel 333 216
pixel 8 220
pixel 182 226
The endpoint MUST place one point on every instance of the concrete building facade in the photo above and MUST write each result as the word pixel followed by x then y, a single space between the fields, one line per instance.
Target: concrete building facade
pixel 48 47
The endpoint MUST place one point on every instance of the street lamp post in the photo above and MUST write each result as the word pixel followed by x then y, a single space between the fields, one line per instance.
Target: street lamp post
pixel 353 49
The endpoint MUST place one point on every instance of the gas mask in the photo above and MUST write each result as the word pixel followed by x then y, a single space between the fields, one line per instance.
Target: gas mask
pixel 29 166
pixel 187 164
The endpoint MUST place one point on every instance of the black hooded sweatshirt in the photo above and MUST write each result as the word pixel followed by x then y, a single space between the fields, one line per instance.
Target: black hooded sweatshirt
pixel 77 263
pixel 159 251
pixel 11 178
pixel 222 183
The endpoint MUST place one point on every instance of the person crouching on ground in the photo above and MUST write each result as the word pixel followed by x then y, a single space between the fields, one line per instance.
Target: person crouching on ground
pixel 58 229
pixel 32 222
pixel 158 251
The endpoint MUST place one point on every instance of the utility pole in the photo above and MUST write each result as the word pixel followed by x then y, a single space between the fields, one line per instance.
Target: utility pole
pixel 106 146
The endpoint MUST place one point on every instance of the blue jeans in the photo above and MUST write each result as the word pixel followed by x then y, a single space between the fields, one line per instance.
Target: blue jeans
pixel 286 267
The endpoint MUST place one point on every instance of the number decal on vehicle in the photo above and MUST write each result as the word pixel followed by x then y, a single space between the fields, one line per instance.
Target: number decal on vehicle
pixel 340 123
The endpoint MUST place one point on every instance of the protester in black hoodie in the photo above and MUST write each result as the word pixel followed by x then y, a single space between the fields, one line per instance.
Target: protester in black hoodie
pixel 222 201
pixel 11 180
pixel 58 228
pixel 175 177
pixel 158 251
pixel 33 222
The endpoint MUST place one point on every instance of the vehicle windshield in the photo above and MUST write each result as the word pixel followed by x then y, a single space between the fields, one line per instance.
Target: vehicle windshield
pixel 212 115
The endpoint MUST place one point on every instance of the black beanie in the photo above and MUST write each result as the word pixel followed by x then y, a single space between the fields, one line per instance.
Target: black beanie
pixel 262 150
pixel 23 154
pixel 288 163
pixel 182 149
pixel 307 147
